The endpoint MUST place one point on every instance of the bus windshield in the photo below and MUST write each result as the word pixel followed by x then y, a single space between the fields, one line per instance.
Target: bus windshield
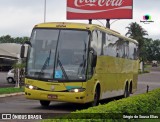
pixel 58 54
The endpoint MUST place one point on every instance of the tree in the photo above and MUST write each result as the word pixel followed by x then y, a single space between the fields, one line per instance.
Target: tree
pixel 151 49
pixel 21 40
pixel 6 39
pixel 9 39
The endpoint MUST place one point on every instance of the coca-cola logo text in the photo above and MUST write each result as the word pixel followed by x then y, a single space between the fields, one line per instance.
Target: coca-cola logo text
pixel 81 3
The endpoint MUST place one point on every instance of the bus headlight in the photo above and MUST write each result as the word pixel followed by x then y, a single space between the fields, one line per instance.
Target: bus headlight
pixel 77 90
pixel 31 87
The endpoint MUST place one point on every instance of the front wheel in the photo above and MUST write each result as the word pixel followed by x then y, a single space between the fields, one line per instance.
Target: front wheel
pixel 44 103
pixel 96 98
pixel 10 80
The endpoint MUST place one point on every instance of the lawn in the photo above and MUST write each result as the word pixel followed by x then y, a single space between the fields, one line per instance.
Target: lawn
pixel 10 90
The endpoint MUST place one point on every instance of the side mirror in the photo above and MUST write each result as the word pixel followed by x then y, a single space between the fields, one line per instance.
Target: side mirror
pixel 94 57
pixel 28 43
pixel 22 51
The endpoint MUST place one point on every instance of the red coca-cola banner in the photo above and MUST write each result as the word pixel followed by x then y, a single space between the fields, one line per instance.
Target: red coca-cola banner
pixel 99 9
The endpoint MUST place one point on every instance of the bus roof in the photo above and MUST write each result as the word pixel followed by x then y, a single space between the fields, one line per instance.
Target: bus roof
pixel 72 25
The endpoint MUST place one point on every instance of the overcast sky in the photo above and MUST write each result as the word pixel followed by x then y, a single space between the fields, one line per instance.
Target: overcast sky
pixel 18 17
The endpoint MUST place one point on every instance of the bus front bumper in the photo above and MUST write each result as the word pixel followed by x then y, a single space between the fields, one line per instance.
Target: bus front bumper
pixel 73 97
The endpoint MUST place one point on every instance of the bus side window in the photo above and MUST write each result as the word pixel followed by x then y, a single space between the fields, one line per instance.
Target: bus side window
pixel 103 43
pixel 126 49
pixel 120 48
pixel 135 52
pixel 131 50
pixel 99 44
pixel 93 48
pixel 94 40
pixel 110 47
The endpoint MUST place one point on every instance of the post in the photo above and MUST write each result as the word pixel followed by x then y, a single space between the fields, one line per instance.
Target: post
pixel 18 71
pixel 108 23
pixel 18 78
pixel 90 21
pixel 44 11
pixel 147 88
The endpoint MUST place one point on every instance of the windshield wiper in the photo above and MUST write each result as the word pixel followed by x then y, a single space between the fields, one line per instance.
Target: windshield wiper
pixel 45 64
pixel 62 68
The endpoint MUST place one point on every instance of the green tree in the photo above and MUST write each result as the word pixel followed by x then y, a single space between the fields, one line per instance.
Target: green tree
pixel 21 40
pixel 9 39
pixel 155 47
pixel 152 49
pixel 147 49
pixel 6 39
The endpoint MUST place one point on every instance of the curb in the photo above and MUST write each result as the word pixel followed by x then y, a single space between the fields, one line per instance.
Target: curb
pixel 12 94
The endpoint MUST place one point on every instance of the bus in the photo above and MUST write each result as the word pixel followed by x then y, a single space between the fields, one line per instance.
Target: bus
pixel 79 63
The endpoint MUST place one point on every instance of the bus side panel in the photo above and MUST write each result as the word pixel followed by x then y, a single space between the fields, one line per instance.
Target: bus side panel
pixel 113 73
pixel 107 70
pixel 135 75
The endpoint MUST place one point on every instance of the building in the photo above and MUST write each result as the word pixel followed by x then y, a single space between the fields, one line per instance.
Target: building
pixel 9 55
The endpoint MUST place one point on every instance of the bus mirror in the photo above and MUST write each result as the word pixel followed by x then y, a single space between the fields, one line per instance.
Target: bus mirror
pixel 23 48
pixel 94 61
pixel 22 51
pixel 28 43
pixel 93 57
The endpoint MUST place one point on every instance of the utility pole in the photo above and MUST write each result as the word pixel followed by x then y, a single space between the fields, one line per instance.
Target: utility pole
pixel 44 11
pixel 108 23
pixel 90 21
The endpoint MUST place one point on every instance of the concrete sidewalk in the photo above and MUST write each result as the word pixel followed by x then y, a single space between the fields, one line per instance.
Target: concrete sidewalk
pixel 12 94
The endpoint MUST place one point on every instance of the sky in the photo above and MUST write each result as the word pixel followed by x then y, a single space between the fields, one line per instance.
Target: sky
pixel 18 17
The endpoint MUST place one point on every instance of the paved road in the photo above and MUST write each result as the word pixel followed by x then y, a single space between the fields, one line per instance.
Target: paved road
pixel 151 79
pixel 21 105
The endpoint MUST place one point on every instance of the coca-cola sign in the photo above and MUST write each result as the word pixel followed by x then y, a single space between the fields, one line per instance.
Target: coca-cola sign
pixel 99 9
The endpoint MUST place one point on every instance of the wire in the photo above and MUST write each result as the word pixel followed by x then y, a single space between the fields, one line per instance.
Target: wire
pixel 100 22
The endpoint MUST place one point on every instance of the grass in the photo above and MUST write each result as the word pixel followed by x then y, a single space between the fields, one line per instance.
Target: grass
pixel 147 69
pixel 147 66
pixel 10 90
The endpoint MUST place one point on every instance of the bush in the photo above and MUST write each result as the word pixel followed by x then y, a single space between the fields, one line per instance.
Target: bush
pixel 139 104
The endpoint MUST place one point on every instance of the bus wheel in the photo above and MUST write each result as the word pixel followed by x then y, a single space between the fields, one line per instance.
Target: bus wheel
pixel 126 92
pixel 96 98
pixel 44 103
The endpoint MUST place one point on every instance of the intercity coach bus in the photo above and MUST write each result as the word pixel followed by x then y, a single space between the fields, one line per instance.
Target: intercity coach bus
pixel 79 63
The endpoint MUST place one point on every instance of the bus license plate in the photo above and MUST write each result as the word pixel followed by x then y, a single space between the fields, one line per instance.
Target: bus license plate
pixel 52 96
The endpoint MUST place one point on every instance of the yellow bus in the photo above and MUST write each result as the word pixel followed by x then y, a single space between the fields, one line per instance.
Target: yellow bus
pixel 79 63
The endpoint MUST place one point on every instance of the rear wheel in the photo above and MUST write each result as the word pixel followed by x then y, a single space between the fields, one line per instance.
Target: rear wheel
pixel 44 103
pixel 126 92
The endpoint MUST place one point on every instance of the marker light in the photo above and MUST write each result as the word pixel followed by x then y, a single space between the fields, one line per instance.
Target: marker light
pixel 31 87
pixel 77 90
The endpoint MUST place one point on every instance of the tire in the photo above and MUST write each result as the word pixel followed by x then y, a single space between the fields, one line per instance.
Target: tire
pixel 126 92
pixel 96 98
pixel 44 103
pixel 10 80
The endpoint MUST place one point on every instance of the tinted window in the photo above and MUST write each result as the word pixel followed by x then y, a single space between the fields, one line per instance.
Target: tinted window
pixel 94 40
pixel 110 46
pixel 99 45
